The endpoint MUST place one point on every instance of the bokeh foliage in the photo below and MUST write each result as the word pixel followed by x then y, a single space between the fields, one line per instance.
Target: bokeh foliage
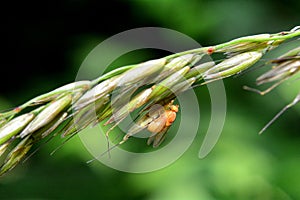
pixel 243 165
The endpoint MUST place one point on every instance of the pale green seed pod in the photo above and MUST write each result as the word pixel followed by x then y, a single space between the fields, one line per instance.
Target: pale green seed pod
pixel 142 71
pixel 166 84
pixel 68 128
pixel 2 122
pixel 54 125
pixel 96 92
pixel 92 109
pixel 175 90
pixel 112 74
pixel 137 101
pixel 84 117
pixel 140 99
pixel 16 155
pixel 47 115
pixel 103 114
pixel 81 85
pixel 232 66
pixel 14 127
pixel 286 66
pixel 176 64
pixel 280 72
pixel 179 62
pixel 183 86
pixel 3 147
pixel 50 127
pixel 45 98
pixel 198 70
pixel 246 44
pixel 71 87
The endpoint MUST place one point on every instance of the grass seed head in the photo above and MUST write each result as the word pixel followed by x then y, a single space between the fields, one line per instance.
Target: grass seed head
pixel 180 62
pixel 174 65
pixel 14 127
pixel 142 71
pixel 285 67
pixel 232 66
pixel 47 115
pixel 97 92
pixel 166 84
pixel 161 80
pixel 281 72
pixel 16 155
pixel 3 147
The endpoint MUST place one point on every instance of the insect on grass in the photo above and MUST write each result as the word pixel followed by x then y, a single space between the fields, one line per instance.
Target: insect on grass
pixel 75 106
pixel 157 121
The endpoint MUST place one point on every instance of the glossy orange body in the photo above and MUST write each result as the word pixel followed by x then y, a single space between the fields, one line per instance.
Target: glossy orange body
pixel 171 115
pixel 164 120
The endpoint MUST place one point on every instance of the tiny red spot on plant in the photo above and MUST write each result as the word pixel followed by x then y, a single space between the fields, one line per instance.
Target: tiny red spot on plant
pixel 210 50
pixel 17 109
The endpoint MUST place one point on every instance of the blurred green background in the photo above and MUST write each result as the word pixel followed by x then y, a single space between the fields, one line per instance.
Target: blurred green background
pixel 43 45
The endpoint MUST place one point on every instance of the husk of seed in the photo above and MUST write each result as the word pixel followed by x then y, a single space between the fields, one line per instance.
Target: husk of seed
pixel 176 64
pixel 16 155
pixel 3 147
pixel 14 127
pixel 84 117
pixel 252 43
pixel 141 71
pixel 232 66
pixel 47 115
pixel 286 66
pixel 79 86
